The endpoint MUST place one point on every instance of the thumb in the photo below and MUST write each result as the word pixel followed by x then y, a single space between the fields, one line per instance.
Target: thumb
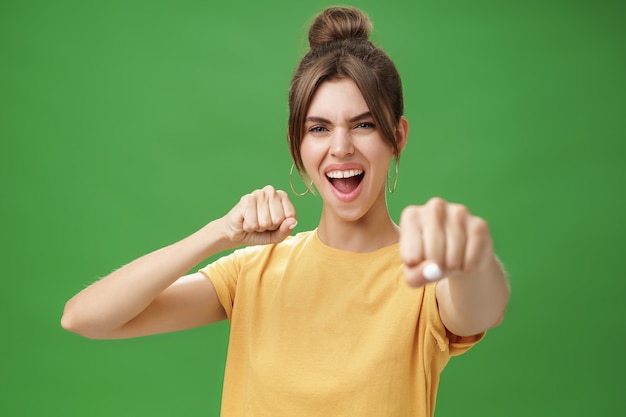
pixel 422 274
pixel 285 229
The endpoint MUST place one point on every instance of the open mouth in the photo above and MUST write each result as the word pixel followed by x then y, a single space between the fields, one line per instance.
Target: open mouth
pixel 345 181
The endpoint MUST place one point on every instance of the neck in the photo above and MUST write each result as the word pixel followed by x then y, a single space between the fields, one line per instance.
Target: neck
pixel 369 233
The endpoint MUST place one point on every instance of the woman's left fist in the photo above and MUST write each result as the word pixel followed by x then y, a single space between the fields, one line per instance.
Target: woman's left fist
pixel 441 239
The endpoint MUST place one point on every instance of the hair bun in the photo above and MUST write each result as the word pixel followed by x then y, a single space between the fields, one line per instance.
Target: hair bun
pixel 338 23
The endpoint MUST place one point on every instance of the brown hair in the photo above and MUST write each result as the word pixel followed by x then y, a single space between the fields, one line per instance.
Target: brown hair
pixel 340 48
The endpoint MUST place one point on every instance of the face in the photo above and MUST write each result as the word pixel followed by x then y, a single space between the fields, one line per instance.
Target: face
pixel 344 154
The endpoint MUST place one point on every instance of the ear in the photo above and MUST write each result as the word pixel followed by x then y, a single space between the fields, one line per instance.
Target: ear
pixel 402 133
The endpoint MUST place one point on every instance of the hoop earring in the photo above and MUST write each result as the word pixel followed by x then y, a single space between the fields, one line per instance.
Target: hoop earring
pixel 395 180
pixel 308 187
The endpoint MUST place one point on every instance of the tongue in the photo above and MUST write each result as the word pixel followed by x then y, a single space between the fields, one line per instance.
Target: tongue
pixel 346 185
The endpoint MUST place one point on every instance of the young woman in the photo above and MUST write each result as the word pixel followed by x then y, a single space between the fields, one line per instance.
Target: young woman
pixel 356 317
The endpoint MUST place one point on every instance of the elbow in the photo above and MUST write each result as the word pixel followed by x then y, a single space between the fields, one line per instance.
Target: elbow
pixel 68 323
pixel 71 322
pixel 74 322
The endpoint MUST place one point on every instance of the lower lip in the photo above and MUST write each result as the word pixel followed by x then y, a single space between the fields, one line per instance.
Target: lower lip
pixel 349 197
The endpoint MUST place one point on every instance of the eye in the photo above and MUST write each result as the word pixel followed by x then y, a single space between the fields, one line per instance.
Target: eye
pixel 365 125
pixel 317 129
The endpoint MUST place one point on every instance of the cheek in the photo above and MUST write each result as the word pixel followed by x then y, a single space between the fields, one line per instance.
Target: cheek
pixel 312 153
pixel 378 152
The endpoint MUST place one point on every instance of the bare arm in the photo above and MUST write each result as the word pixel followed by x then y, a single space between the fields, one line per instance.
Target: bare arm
pixel 443 241
pixel 471 304
pixel 112 306
pixel 148 295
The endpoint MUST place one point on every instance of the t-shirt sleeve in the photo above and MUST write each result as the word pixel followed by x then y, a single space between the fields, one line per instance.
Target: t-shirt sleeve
pixel 223 274
pixel 447 340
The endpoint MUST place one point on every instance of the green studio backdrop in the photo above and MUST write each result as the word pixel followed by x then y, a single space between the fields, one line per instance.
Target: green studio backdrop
pixel 126 125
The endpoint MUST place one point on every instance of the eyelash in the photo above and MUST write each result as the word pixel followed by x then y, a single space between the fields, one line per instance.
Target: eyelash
pixel 317 129
pixel 366 125
pixel 362 125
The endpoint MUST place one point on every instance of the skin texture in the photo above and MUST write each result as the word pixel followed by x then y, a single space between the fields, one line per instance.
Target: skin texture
pixel 474 292
pixel 148 296
pixel 340 134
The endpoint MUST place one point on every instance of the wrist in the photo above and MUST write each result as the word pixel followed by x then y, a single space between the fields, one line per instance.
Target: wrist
pixel 215 238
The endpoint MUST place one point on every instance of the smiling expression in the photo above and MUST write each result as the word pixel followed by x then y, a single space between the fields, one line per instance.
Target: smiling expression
pixel 343 152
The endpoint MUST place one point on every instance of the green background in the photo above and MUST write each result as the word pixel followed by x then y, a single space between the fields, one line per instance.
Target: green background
pixel 126 125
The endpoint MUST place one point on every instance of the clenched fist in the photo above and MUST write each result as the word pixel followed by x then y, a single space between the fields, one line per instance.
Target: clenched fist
pixel 441 239
pixel 262 217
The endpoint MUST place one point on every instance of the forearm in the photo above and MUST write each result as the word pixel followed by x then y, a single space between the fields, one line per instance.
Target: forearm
pixel 119 297
pixel 470 304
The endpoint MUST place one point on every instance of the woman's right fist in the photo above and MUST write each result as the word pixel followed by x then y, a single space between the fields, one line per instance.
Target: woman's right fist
pixel 262 217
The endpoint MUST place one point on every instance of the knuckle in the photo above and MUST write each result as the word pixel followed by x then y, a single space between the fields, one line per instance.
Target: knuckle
pixel 247 200
pixel 410 214
pixel 278 217
pixel 453 267
pixel 268 189
pixel 436 202
pixel 458 212
pixel 453 264
pixel 250 226
pixel 437 206
pixel 478 227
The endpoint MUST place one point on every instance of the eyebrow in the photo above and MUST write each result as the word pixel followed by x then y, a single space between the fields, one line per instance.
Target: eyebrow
pixel 362 116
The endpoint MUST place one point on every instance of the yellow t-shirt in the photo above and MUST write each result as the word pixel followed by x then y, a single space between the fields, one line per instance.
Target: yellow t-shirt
pixel 317 331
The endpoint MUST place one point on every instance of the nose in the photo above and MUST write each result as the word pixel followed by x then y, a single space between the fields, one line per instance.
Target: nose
pixel 341 143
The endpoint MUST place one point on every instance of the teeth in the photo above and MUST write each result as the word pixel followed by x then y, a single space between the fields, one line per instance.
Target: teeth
pixel 344 174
